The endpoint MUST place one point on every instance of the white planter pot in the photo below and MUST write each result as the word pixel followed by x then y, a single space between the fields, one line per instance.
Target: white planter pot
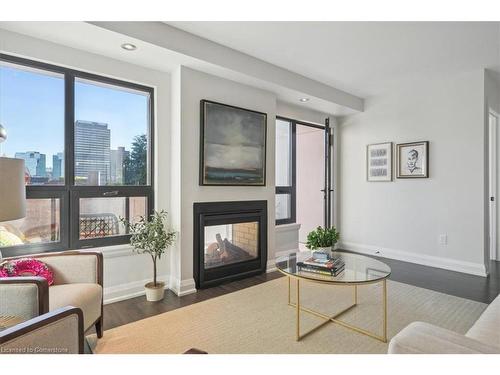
pixel 155 293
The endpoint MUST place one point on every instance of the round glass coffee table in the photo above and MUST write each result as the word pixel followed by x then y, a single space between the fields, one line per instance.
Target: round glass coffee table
pixel 359 270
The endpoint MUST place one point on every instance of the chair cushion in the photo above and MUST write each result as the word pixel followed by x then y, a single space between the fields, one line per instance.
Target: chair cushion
pixel 85 296
pixel 487 327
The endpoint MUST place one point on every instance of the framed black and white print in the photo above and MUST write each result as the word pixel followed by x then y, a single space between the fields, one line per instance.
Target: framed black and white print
pixel 232 145
pixel 379 162
pixel 413 160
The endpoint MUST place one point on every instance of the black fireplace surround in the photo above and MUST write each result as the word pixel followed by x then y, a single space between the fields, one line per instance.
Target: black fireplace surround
pixel 236 243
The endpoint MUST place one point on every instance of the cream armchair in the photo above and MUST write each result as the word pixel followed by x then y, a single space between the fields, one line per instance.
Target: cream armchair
pixel 424 338
pixel 78 281
pixel 56 332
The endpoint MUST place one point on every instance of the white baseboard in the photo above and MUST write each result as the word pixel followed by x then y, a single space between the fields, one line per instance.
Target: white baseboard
pixel 130 290
pixel 426 260
pixel 182 287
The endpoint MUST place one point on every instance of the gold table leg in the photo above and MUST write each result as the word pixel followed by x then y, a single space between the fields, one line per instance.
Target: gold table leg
pixel 384 287
pixel 289 280
pixel 334 318
pixel 298 310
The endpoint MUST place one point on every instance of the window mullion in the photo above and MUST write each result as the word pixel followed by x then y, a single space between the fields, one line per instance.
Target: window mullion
pixel 69 154
pixel 69 128
pixel 293 199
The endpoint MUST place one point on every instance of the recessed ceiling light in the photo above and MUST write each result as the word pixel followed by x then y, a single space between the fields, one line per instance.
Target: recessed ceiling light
pixel 303 100
pixel 129 46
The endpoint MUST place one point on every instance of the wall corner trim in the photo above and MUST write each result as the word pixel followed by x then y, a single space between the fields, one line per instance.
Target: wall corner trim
pixel 182 287
pixel 271 266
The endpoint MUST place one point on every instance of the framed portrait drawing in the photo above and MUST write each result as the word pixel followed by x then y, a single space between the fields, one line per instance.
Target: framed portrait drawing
pixel 232 145
pixel 413 160
pixel 379 162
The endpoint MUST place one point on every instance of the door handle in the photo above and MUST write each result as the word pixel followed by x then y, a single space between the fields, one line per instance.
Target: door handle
pixel 113 193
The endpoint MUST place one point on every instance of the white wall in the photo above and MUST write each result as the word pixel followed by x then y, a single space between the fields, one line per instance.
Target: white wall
pixel 403 219
pixel 195 86
pixel 125 273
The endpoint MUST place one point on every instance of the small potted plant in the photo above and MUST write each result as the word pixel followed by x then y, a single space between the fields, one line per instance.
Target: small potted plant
pixel 151 237
pixel 322 239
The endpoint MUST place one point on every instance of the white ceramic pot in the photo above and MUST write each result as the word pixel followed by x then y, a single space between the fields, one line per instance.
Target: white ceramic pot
pixel 154 293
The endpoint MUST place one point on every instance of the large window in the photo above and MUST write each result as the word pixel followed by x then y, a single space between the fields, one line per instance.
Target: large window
pixel 87 145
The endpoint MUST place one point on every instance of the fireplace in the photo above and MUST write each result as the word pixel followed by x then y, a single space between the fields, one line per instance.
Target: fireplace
pixel 230 241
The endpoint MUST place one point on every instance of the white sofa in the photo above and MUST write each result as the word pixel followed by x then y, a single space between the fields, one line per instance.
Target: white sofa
pixel 425 338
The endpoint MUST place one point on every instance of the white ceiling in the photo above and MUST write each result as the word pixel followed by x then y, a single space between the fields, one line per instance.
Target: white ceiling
pixel 362 58
pixel 86 37
pixel 103 40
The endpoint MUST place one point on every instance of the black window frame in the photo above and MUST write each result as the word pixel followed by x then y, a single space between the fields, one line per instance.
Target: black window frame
pixel 69 193
pixel 292 189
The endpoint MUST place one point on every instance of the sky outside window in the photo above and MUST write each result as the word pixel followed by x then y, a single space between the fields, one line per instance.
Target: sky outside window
pixel 32 111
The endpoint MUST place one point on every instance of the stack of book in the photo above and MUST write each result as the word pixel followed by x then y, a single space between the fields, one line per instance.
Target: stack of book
pixel 330 266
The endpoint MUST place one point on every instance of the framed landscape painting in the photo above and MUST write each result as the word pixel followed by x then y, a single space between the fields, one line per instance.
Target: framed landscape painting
pixel 232 145
pixel 379 162
pixel 413 160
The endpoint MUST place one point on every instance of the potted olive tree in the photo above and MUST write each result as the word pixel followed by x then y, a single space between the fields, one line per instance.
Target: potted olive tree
pixel 322 239
pixel 151 237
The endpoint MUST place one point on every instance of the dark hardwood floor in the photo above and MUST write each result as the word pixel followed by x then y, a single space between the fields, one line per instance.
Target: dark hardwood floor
pixel 454 283
pixel 476 288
